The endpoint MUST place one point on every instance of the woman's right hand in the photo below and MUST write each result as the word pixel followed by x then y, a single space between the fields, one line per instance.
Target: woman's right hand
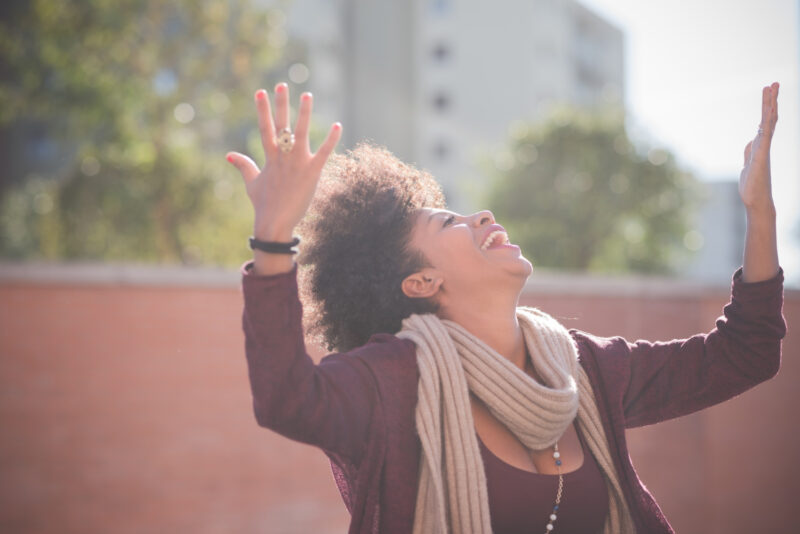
pixel 281 192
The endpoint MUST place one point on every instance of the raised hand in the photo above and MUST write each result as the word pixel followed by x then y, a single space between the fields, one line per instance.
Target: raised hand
pixel 760 260
pixel 282 191
pixel 755 186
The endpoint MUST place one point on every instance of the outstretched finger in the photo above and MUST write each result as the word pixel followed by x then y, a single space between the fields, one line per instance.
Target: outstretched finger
pixel 281 107
pixel 769 110
pixel 765 101
pixel 327 146
pixel 303 119
pixel 246 166
pixel 265 125
pixel 774 103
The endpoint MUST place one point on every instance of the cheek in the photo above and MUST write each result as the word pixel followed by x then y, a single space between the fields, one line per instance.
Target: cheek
pixel 455 254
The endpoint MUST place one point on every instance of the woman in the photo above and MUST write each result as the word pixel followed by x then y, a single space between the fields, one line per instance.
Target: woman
pixel 448 408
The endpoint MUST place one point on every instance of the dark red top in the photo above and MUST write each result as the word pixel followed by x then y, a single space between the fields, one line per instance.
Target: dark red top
pixel 520 502
pixel 359 406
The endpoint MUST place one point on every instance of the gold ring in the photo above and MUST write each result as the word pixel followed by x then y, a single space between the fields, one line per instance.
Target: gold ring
pixel 286 140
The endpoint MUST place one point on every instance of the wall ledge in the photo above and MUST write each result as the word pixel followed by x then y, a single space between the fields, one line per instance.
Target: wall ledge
pixel 566 284
pixel 132 274
pixel 117 274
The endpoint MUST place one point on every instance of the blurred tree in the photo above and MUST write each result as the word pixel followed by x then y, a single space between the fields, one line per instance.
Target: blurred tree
pixel 141 99
pixel 575 194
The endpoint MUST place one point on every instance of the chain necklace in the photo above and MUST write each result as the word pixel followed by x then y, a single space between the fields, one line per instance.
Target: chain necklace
pixel 554 513
pixel 556 455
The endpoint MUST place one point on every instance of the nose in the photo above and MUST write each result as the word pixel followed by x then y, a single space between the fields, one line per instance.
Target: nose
pixel 482 218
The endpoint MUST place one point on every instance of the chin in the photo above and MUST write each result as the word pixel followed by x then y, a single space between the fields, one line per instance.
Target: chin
pixel 527 267
pixel 522 267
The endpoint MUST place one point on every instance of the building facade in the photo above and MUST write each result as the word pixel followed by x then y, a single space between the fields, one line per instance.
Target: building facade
pixel 440 82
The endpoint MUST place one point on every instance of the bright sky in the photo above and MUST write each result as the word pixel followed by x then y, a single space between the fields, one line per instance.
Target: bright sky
pixel 694 76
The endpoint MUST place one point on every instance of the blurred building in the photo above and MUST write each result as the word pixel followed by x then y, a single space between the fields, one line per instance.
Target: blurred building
pixel 437 81
pixel 718 235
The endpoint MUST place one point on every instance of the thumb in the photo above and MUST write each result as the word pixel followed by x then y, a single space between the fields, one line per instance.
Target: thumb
pixel 245 165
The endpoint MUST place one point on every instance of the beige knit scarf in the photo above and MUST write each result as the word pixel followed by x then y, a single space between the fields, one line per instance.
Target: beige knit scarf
pixel 452 495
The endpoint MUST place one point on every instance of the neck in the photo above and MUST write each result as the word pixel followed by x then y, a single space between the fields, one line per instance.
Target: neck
pixel 492 318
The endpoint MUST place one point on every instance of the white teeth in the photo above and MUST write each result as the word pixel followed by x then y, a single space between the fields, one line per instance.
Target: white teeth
pixel 494 236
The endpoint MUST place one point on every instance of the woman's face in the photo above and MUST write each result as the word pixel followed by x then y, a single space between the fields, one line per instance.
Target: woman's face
pixel 468 252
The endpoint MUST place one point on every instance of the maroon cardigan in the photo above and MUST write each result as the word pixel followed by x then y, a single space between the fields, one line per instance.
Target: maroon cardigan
pixel 358 407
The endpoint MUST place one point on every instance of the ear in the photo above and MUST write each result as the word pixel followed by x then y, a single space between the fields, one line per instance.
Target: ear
pixel 422 284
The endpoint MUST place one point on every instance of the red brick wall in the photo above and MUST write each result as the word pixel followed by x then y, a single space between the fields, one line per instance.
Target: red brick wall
pixel 125 407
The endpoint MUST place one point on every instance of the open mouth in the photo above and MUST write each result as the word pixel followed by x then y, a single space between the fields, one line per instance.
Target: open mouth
pixel 495 239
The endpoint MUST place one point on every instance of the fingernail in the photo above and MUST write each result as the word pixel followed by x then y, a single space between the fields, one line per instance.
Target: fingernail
pixel 229 158
pixel 280 88
pixel 306 97
pixel 337 125
pixel 261 94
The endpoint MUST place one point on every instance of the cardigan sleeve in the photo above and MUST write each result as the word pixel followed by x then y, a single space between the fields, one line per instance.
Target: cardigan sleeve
pixel 328 405
pixel 670 379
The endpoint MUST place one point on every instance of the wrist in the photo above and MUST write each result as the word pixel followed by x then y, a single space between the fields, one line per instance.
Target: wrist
pixel 764 211
pixel 273 233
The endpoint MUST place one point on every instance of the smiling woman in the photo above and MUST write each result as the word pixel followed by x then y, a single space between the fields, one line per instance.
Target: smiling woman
pixel 357 234
pixel 464 251
pixel 444 392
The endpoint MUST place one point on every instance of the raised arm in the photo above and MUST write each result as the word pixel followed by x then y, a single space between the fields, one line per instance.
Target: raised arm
pixel 760 260
pixel 678 377
pixel 328 405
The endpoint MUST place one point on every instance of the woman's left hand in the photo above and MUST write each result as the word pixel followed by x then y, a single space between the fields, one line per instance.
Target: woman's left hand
pixel 755 186
pixel 760 260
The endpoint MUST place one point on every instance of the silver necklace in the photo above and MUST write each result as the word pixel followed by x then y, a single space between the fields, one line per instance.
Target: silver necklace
pixel 554 513
pixel 556 457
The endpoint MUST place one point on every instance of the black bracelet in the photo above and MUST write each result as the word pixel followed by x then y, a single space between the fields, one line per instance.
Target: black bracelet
pixel 274 246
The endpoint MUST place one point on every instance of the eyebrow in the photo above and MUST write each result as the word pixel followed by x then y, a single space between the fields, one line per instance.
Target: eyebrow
pixel 434 214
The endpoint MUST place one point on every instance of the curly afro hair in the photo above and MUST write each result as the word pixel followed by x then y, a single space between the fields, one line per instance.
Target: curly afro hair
pixel 356 249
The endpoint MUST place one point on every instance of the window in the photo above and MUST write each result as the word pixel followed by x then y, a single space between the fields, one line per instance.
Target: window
pixel 441 149
pixel 441 52
pixel 441 101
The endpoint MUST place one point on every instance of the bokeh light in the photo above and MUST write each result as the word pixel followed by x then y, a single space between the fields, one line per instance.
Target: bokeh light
pixel 693 240
pixel 184 113
pixel 298 73
pixel 90 166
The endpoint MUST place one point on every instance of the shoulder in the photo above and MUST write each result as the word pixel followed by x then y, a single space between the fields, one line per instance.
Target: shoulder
pixel 385 349
pixel 605 359
pixel 607 363
pixel 598 346
pixel 384 356
pixel 389 365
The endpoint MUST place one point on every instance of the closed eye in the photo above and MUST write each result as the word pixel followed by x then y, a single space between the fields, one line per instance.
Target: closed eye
pixel 449 220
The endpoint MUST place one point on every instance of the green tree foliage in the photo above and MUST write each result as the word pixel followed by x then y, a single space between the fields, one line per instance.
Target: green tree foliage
pixel 575 194
pixel 139 94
